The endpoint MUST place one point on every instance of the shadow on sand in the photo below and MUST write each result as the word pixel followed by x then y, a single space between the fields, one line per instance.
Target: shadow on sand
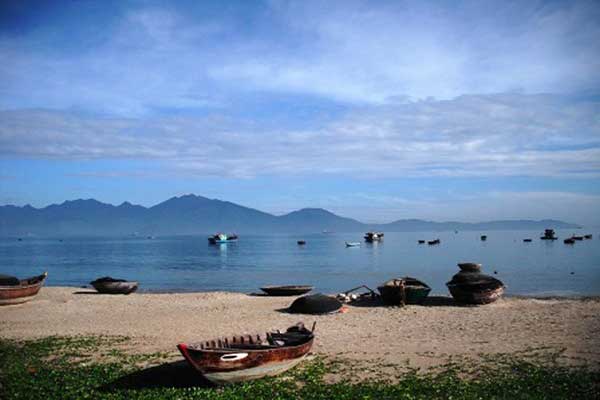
pixel 176 374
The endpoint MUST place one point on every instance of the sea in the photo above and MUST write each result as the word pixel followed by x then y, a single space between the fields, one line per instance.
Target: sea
pixel 189 263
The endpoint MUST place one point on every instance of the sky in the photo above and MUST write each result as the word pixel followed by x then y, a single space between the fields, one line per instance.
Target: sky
pixel 376 110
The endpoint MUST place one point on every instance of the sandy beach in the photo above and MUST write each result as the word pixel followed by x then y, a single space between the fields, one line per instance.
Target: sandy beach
pixel 419 336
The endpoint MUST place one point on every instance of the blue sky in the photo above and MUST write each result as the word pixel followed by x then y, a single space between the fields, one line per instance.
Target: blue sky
pixel 467 111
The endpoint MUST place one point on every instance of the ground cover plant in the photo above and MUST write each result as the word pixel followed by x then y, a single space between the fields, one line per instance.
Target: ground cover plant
pixel 99 368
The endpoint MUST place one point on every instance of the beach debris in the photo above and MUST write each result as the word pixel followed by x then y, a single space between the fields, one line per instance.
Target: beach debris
pixel 473 287
pixel 286 290
pixel 247 357
pixel 315 304
pixel 402 291
pixel 349 297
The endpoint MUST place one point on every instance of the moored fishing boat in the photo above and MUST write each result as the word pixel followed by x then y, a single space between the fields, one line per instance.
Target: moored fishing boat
pixel 405 290
pixel 373 237
pixel 352 244
pixel 569 240
pixel 286 290
pixel 16 291
pixel 108 285
pixel 247 357
pixel 434 242
pixel 549 235
pixel 588 236
pixel 220 238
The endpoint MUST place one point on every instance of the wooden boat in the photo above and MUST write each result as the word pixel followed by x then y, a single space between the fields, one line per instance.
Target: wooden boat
pixel 289 290
pixel 352 244
pixel 220 238
pixel 16 291
pixel 247 357
pixel 108 285
pixel 415 291
pixel 569 241
pixel 548 235
pixel 475 288
pixel 469 267
pixel 373 237
pixel 433 242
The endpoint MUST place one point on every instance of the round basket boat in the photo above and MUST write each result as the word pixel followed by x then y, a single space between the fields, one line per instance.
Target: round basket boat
pixel 108 285
pixel 415 291
pixel 475 288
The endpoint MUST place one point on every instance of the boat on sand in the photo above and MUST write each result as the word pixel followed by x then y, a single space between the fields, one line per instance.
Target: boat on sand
pixel 16 291
pixel 286 290
pixel 108 285
pixel 405 290
pixel 247 357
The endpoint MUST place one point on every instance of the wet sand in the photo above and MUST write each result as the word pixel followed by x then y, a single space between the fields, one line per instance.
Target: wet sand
pixel 419 336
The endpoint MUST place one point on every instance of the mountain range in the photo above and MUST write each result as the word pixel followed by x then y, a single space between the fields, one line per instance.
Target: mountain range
pixel 191 214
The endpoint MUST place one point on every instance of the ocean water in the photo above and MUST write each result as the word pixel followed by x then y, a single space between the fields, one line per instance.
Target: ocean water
pixel 189 263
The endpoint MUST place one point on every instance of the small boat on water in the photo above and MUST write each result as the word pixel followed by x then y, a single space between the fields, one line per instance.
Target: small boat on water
pixel 569 241
pixel 588 236
pixel 16 291
pixel 108 285
pixel 373 237
pixel 475 288
pixel 247 357
pixel 287 290
pixel 577 237
pixel 433 242
pixel 421 241
pixel 301 242
pixel 527 240
pixel 352 244
pixel 483 238
pixel 405 290
pixel 549 235
pixel 219 238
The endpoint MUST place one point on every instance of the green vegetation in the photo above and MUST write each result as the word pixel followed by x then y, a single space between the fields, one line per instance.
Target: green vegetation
pixel 93 368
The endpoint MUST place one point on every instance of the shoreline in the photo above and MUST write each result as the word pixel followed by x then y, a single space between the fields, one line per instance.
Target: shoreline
pixel 416 336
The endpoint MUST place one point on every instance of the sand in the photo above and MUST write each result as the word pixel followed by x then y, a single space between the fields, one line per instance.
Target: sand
pixel 419 336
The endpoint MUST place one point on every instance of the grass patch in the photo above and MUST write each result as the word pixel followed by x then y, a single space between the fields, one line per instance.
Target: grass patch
pixel 69 368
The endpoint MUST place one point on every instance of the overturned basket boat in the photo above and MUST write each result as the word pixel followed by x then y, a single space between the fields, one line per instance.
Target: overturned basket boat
pixel 415 291
pixel 16 291
pixel 246 357
pixel 475 288
pixel 287 290
pixel 108 285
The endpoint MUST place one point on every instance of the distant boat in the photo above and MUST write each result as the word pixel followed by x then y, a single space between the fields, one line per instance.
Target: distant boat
pixel 588 236
pixel 247 357
pixel 301 242
pixel 373 237
pixel 527 240
pixel 569 241
pixel 577 237
pixel 287 290
pixel 549 235
pixel 219 238
pixel 433 242
pixel 108 285
pixel 483 238
pixel 421 241
pixel 353 244
pixel 16 291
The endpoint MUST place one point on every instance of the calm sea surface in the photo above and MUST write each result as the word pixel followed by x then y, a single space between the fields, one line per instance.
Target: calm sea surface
pixel 190 264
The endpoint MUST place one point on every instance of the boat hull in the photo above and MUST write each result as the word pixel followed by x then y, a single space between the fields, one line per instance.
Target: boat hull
pixel 464 295
pixel 224 366
pixel 415 292
pixel 21 293
pixel 286 290
pixel 115 287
